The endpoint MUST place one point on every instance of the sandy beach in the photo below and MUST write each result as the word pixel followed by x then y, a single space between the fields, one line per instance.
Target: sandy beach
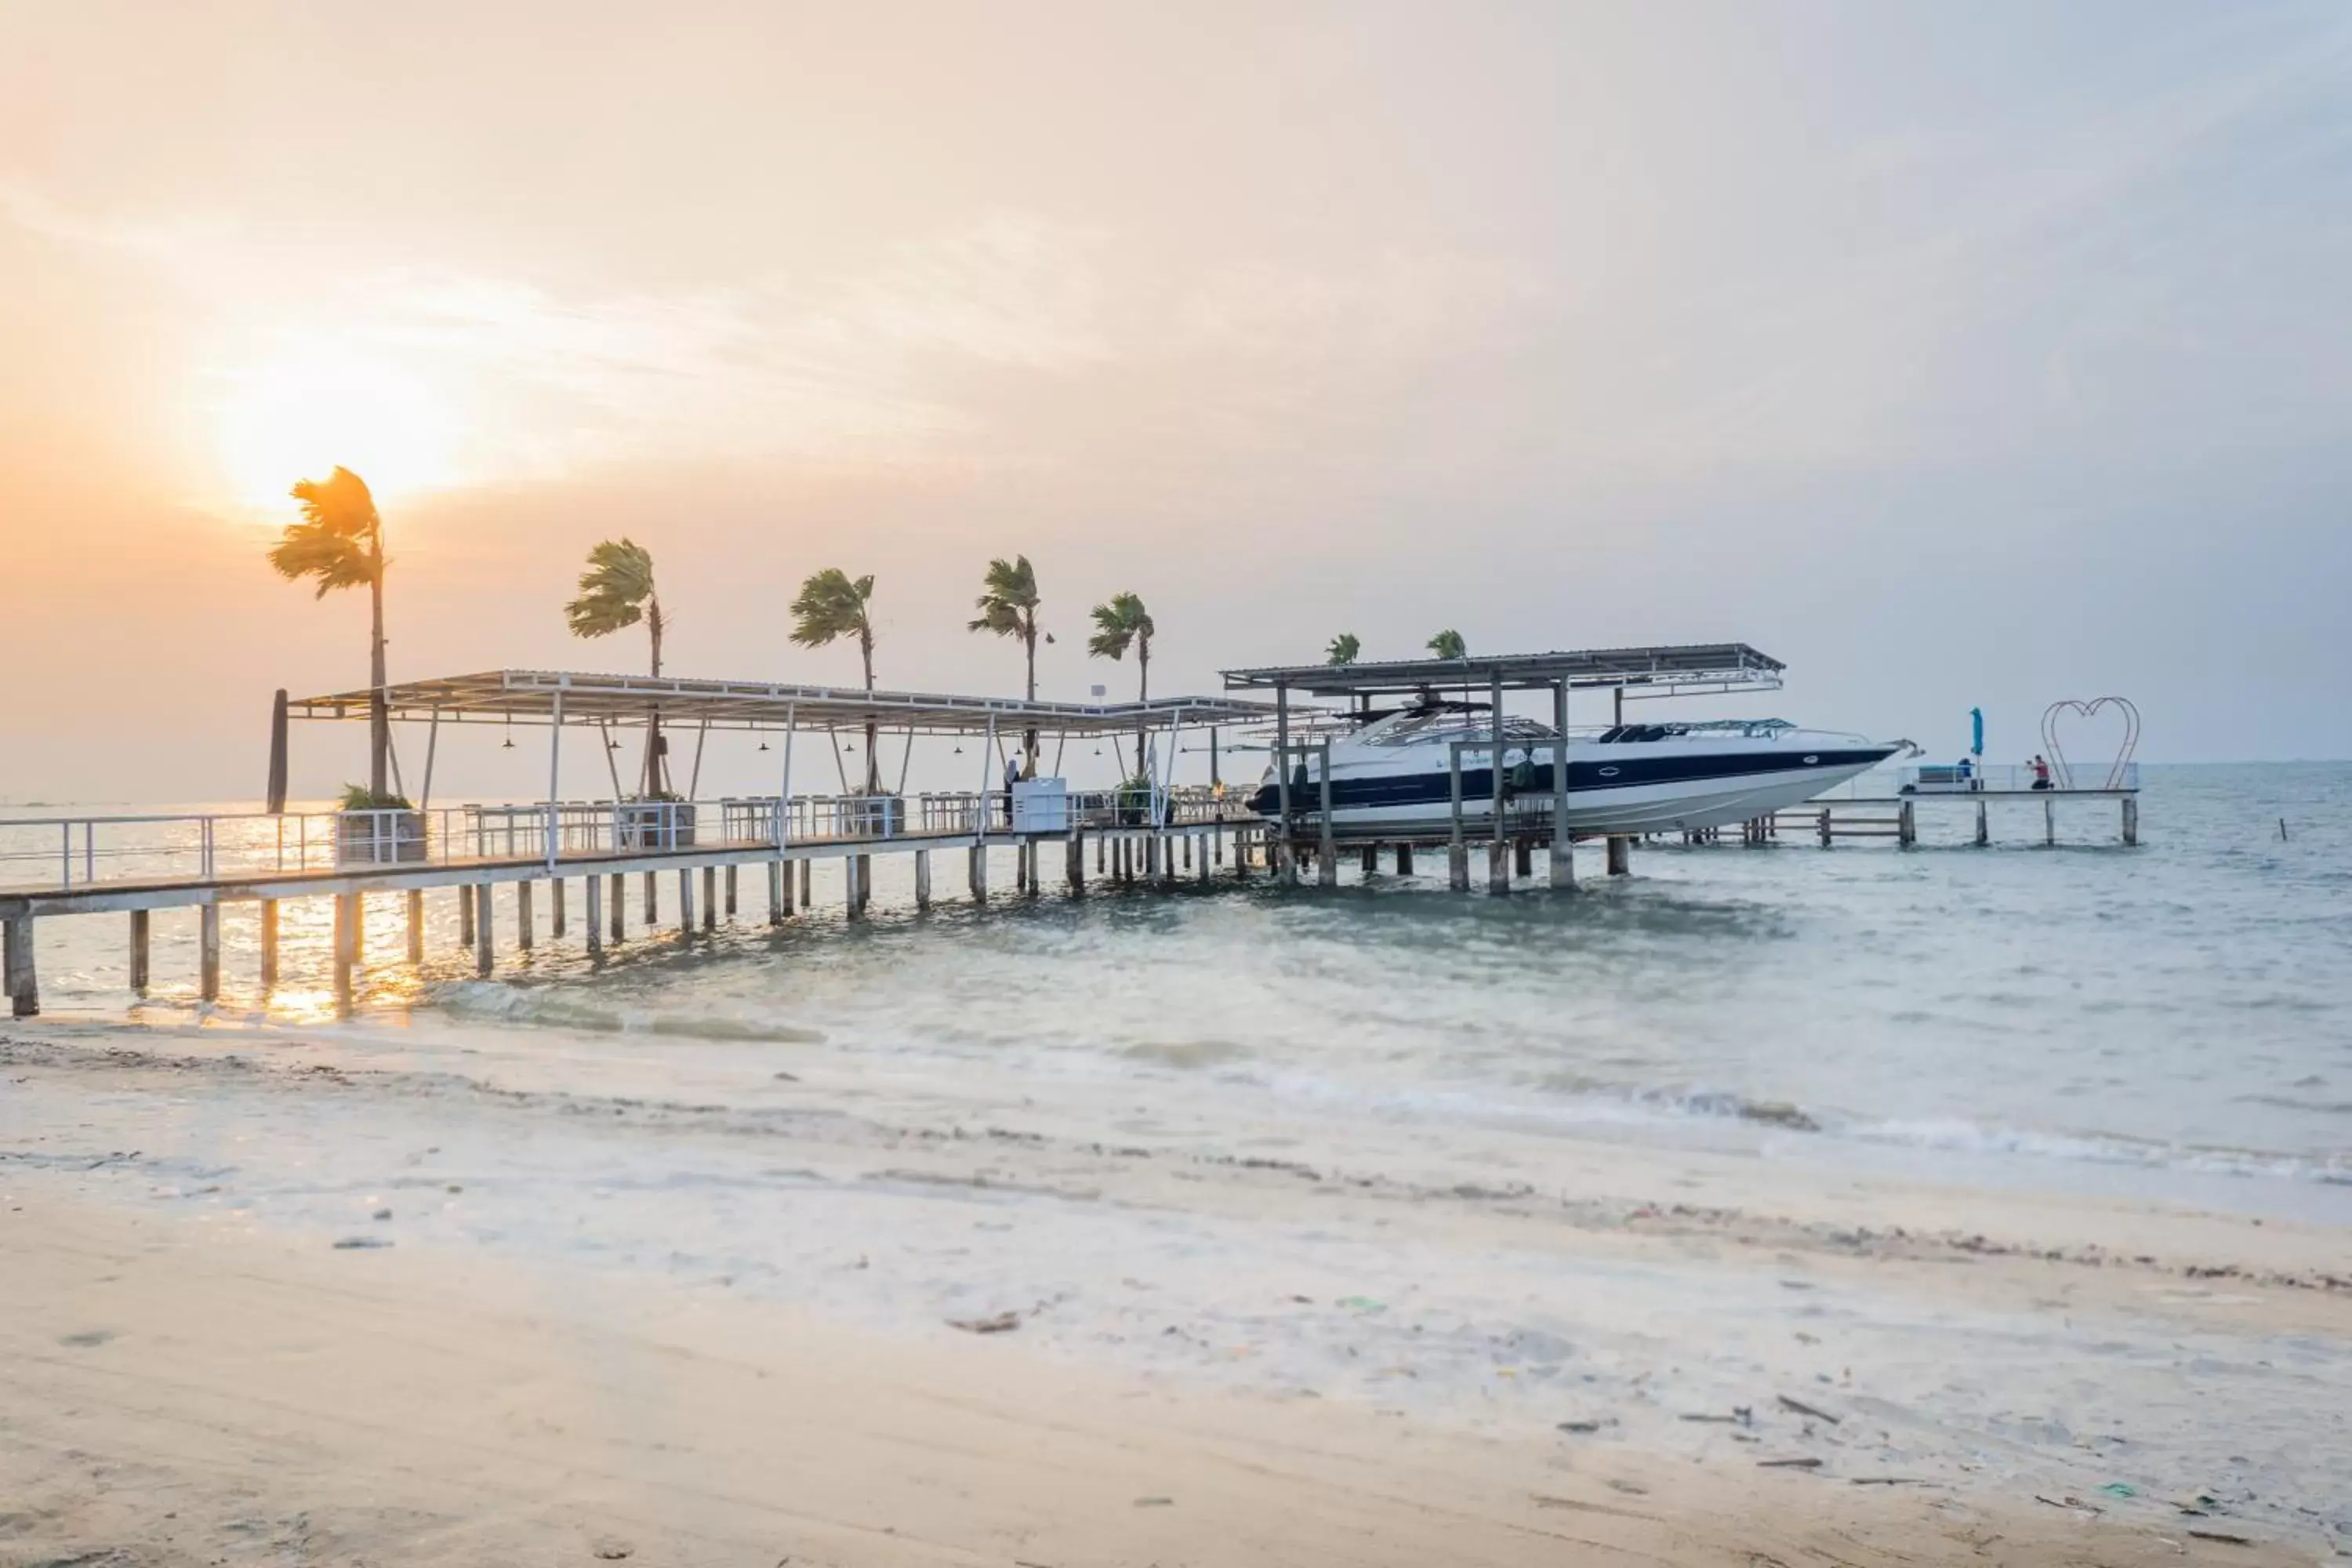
pixel 988 1325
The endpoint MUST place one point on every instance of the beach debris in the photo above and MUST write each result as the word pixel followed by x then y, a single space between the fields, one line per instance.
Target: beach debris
pixel 1628 1488
pixel 1001 1323
pixel 1804 1464
pixel 2070 1502
pixel 361 1242
pixel 1741 1415
pixel 1891 1481
pixel 454 1188
pixel 2220 1535
pixel 88 1339
pixel 2120 1489
pixel 1586 1427
pixel 787 1077
pixel 612 1551
pixel 1155 1502
pixel 1802 1408
pixel 380 1213
pixel 1361 1304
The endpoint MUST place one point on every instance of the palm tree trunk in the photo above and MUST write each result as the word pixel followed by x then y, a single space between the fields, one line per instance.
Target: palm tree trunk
pixel 378 714
pixel 1142 694
pixel 1029 737
pixel 873 765
pixel 653 785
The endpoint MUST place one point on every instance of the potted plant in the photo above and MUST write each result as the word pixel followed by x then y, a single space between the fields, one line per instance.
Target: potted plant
pixel 377 829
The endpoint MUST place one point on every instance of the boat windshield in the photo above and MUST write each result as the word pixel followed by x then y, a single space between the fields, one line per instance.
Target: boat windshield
pixel 1433 726
pixel 1745 729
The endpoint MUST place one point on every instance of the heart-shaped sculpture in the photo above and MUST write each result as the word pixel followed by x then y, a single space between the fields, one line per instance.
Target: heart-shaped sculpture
pixel 2056 711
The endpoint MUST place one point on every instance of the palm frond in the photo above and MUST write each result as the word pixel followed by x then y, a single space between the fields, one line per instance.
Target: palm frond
pixel 1343 649
pixel 1448 643
pixel 830 607
pixel 1119 623
pixel 335 541
pixel 613 590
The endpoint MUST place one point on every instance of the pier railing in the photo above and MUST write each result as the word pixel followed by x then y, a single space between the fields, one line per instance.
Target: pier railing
pixel 67 853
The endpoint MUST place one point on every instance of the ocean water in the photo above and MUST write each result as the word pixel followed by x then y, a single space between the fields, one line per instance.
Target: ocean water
pixel 2177 1014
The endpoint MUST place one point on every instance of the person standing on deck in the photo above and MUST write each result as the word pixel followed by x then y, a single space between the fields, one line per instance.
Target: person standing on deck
pixel 1012 778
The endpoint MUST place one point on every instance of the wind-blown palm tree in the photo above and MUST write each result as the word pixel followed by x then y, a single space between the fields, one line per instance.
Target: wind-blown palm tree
pixel 617 591
pixel 1448 643
pixel 1121 623
pixel 339 542
pixel 833 606
pixel 1008 607
pixel 1343 649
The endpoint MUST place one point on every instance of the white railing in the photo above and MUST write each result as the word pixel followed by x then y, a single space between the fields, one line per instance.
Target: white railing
pixel 69 853
pixel 1950 778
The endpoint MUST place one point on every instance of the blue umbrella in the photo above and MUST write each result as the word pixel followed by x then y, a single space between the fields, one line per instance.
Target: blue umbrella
pixel 1976 731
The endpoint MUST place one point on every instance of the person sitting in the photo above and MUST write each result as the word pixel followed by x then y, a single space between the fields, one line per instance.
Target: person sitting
pixel 1965 770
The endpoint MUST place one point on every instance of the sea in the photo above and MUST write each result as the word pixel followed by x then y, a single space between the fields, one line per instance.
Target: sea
pixel 2174 1018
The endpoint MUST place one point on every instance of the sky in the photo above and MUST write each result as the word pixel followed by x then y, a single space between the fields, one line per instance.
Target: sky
pixel 1959 356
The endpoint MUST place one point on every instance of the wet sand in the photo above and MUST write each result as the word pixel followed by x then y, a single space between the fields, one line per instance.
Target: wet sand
pixel 723 1329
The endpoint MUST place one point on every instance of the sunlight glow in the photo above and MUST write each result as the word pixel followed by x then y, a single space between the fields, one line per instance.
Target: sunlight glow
pixel 294 419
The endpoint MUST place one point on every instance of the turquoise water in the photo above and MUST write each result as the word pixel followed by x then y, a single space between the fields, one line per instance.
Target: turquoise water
pixel 2180 1009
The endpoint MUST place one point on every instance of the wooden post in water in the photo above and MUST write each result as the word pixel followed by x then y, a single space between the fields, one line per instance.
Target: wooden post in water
pixel 523 935
pixel 1241 854
pixel 416 924
pixel 922 880
pixel 620 891
pixel 1984 826
pixel 686 901
pixel 1404 859
pixel 730 889
pixel 482 930
pixel 359 931
pixel 1907 823
pixel 1204 862
pixel 808 883
pixel 1370 859
pixel 1621 854
pixel 1457 851
pixel 592 891
pixel 710 897
pixel 268 945
pixel 465 921
pixel 347 946
pixel 555 916
pixel 653 903
pixel 1523 857
pixel 1326 854
pixel 208 951
pixel 862 865
pixel 976 873
pixel 2131 819
pixel 852 906
pixel 139 953
pixel 1074 861
pixel 17 973
pixel 1563 844
pixel 2050 820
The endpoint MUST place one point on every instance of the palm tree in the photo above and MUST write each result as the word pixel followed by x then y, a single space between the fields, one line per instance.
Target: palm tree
pixel 339 542
pixel 1008 607
pixel 1448 643
pixel 1120 624
pixel 831 605
pixel 617 591
pixel 1343 649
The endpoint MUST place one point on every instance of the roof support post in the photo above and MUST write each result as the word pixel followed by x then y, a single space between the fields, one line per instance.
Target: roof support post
pixel 1457 852
pixel 1498 864
pixel 432 743
pixel 784 786
pixel 554 782
pixel 1563 846
pixel 980 830
pixel 1286 865
pixel 1327 853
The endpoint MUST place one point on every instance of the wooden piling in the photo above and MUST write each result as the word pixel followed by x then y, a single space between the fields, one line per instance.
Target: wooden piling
pixel 1241 839
pixel 18 973
pixel 778 892
pixel 1563 844
pixel 416 902
pixel 592 896
pixel 1621 854
pixel 523 934
pixel 710 897
pixel 556 915
pixel 1907 823
pixel 1204 862
pixel 139 953
pixel 686 901
pixel 359 931
pixel 269 945
pixel 1188 851
pixel 1404 859
pixel 1370 860
pixel 1457 851
pixel 1326 854
pixel 2049 821
pixel 465 918
pixel 922 880
pixel 482 944
pixel 1984 826
pixel 730 889
pixel 1073 862
pixel 1499 866
pixel 653 902
pixel 861 872
pixel 2131 819
pixel 347 946
pixel 977 873
pixel 808 883
pixel 620 891
pixel 1523 858
pixel 208 951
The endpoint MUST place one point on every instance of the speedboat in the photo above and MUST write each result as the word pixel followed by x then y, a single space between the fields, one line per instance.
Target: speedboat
pixel 1391 776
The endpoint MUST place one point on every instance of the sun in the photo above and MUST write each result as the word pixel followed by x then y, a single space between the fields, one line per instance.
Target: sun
pixel 298 418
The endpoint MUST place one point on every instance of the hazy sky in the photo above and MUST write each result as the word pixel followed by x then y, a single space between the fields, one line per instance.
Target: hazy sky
pixel 1957 354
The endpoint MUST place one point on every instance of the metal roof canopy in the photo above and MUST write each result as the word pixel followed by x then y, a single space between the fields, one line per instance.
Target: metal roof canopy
pixel 529 696
pixel 1669 670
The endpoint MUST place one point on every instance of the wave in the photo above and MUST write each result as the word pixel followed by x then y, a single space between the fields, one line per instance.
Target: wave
pixel 550 1008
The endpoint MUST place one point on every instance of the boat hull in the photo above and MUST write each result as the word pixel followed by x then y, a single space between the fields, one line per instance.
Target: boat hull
pixel 1621 794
